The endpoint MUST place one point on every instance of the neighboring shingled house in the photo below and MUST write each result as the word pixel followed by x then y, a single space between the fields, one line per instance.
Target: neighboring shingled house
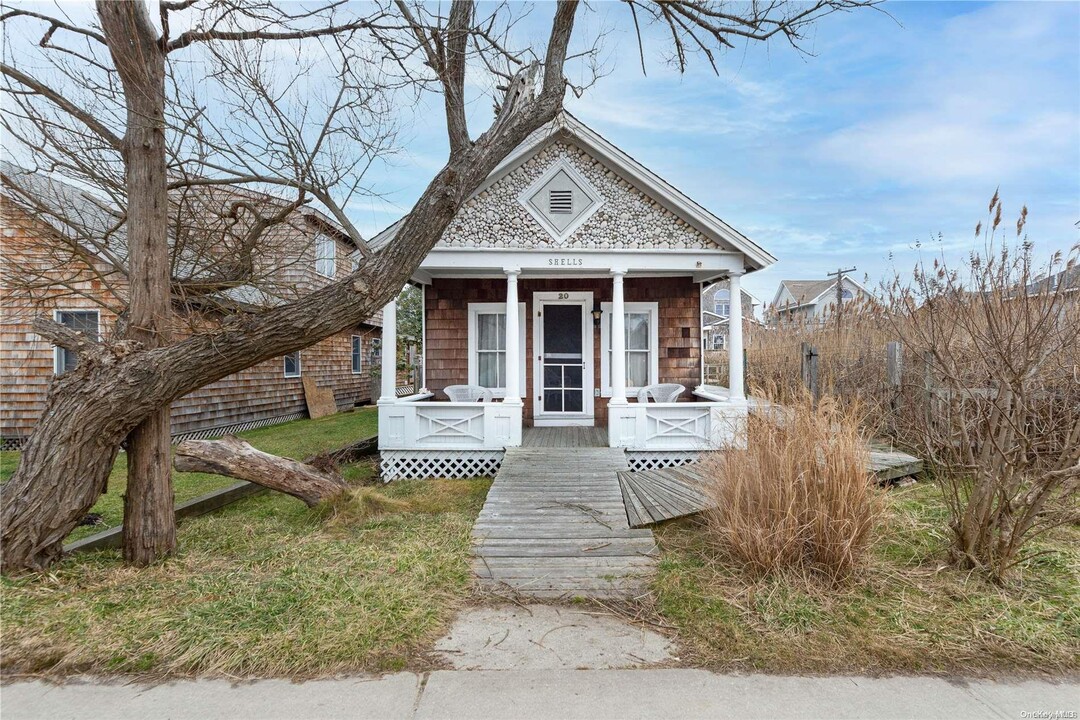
pixel 715 313
pixel 813 301
pixel 36 277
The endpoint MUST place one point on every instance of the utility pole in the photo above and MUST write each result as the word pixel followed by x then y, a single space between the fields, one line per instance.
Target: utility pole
pixel 840 272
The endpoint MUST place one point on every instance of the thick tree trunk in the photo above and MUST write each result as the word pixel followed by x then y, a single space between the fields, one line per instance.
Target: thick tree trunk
pixel 120 386
pixel 233 457
pixel 149 517
pixel 149 520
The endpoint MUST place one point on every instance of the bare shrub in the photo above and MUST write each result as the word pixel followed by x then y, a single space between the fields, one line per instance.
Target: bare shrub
pixel 798 497
pixel 1000 414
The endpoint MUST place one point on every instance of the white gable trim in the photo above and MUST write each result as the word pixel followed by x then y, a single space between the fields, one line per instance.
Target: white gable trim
pixel 566 126
pixel 644 179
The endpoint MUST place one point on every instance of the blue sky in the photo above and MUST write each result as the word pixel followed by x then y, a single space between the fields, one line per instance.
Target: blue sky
pixel 896 129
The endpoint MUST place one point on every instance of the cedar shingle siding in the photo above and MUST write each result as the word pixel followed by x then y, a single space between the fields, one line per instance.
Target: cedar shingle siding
pixel 258 393
pixel 447 301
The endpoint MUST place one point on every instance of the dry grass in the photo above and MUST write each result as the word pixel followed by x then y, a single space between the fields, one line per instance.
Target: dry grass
pixel 297 439
pixel 797 499
pixel 907 611
pixel 262 588
pixel 358 505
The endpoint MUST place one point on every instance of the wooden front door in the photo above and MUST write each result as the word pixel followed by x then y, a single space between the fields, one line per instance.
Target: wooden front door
pixel 563 362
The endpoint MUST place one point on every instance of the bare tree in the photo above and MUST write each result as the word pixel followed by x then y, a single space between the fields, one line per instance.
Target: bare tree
pixel 162 146
pixel 1001 349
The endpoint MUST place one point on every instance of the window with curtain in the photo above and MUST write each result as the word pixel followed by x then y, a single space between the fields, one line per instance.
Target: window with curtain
pixel 325 255
pixel 357 354
pixel 84 321
pixel 491 349
pixel 487 346
pixel 642 355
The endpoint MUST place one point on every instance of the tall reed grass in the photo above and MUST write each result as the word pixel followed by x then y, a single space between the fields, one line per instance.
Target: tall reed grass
pixel 798 498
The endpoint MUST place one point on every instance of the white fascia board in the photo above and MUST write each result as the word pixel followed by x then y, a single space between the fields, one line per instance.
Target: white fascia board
pixel 703 263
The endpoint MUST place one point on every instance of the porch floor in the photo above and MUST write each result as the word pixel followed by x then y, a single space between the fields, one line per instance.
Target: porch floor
pixel 554 525
pixel 564 437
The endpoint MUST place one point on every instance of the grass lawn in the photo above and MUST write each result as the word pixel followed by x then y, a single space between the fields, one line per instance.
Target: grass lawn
pixel 909 612
pixel 297 439
pixel 262 587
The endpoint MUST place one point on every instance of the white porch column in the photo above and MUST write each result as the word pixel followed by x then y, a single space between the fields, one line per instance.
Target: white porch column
pixel 389 353
pixel 618 339
pixel 735 343
pixel 513 331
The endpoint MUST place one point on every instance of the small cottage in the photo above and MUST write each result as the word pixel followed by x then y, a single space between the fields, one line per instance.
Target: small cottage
pixel 567 294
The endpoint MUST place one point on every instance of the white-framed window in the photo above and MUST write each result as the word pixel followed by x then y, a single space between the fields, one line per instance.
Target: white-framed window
pixel 292 364
pixel 325 255
pixel 375 350
pixel 642 331
pixel 718 341
pixel 357 354
pixel 84 321
pixel 722 302
pixel 487 346
pixel 845 294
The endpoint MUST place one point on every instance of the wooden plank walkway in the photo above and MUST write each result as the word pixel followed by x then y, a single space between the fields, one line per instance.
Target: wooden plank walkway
pixel 554 525
pixel 653 496
pixel 564 437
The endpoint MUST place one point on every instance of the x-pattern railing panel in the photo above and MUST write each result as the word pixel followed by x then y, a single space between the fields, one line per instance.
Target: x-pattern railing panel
pixel 443 426
pixel 677 426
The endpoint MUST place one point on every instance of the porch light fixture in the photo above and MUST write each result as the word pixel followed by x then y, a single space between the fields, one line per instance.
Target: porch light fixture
pixel 596 313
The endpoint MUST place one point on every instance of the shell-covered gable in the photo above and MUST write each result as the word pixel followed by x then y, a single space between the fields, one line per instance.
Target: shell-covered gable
pixel 627 219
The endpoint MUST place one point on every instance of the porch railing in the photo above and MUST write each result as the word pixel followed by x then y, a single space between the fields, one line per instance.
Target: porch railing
pixel 413 424
pixel 676 426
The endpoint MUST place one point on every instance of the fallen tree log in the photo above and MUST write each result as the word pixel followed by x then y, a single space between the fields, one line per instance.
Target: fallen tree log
pixel 232 457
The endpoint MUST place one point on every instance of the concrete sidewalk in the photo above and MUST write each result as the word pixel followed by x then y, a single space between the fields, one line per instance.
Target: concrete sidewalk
pixel 563 694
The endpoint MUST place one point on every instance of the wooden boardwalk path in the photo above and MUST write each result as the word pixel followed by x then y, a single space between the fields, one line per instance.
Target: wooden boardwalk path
pixel 653 496
pixel 554 525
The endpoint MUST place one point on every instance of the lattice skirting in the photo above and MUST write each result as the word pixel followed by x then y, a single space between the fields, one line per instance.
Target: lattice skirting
pixel 653 459
pixel 12 443
pixel 221 430
pixel 423 464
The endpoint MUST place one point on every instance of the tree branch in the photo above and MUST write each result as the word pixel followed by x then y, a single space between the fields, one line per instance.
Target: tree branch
pixel 54 24
pixel 64 104
pixel 62 336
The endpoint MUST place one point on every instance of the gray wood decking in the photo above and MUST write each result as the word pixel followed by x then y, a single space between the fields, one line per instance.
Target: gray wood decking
pixel 653 496
pixel 564 437
pixel 554 525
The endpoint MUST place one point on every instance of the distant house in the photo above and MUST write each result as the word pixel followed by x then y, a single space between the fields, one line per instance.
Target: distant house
pixel 39 275
pixel 1065 281
pixel 813 301
pixel 715 313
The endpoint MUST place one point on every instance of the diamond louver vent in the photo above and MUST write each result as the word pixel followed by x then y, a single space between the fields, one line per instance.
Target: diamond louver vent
pixel 561 200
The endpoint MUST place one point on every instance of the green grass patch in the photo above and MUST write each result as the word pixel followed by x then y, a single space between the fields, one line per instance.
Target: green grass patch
pixel 909 611
pixel 263 587
pixel 297 439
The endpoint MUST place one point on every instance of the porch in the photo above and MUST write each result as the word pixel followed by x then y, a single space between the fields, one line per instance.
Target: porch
pixel 565 350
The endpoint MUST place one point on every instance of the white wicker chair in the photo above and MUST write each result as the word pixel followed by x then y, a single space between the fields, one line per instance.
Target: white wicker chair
pixel 660 393
pixel 467 393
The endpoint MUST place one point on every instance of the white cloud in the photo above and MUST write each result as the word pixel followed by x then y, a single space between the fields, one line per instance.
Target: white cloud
pixel 933 147
pixel 981 102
